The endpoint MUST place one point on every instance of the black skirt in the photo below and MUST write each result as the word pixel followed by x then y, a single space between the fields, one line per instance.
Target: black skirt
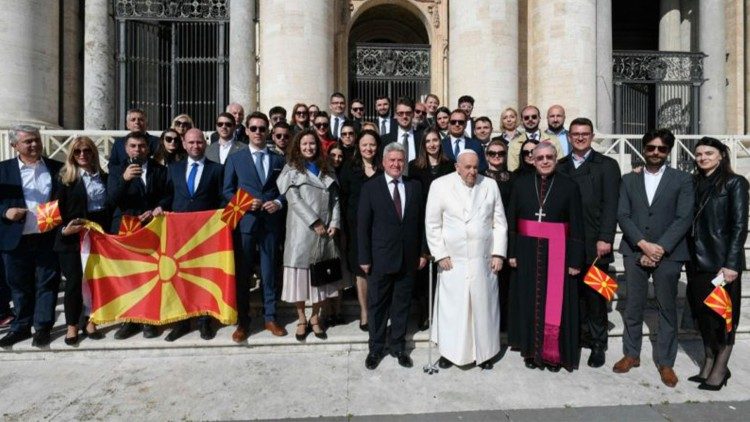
pixel 712 326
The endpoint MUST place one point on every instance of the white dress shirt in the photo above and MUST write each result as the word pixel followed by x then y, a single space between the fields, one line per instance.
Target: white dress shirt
pixel 224 147
pixel 199 172
pixel 412 149
pixel 401 190
pixel 577 161
pixel 144 167
pixel 266 158
pixel 651 181
pixel 387 121
pixel 37 186
pixel 340 120
pixel 95 190
pixel 461 145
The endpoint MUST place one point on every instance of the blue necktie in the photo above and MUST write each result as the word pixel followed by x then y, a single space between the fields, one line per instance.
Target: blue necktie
pixel 456 150
pixel 191 179
pixel 259 167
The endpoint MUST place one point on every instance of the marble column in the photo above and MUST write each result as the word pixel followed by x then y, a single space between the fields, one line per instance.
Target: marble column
pixel 296 53
pixel 712 42
pixel 747 66
pixel 483 55
pixel 562 56
pixel 99 66
pixel 669 26
pixel 689 24
pixel 30 56
pixel 604 121
pixel 242 64
pixel 72 66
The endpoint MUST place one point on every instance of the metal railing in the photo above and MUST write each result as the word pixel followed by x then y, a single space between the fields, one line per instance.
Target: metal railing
pixel 625 149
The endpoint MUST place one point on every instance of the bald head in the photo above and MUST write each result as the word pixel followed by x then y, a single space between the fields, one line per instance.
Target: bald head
pixel 194 143
pixel 556 118
pixel 236 110
pixel 467 166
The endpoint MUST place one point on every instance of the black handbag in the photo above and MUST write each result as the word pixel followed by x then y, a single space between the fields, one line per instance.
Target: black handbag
pixel 327 267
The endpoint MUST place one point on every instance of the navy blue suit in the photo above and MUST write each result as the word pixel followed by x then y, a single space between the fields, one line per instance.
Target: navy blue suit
pixel 392 247
pixel 470 143
pixel 208 194
pixel 118 156
pixel 132 198
pixel 256 228
pixel 31 266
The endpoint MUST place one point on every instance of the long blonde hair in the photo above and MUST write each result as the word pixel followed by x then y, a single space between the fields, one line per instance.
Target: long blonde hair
pixel 69 173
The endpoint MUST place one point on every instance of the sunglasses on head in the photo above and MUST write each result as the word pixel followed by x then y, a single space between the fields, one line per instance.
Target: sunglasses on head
pixel 261 129
pixel 170 139
pixel 662 149
pixel 321 125
pixel 531 117
pixel 494 154
pixel 224 124
pixel 457 122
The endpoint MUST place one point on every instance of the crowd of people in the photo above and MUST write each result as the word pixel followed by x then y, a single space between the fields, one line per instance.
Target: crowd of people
pixel 510 220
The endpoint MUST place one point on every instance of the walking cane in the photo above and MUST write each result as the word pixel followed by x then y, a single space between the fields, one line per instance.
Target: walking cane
pixel 430 368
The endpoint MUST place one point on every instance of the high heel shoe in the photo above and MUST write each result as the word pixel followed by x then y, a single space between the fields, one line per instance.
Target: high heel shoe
pixel 319 334
pixel 697 378
pixel 303 336
pixel 93 335
pixel 71 341
pixel 710 387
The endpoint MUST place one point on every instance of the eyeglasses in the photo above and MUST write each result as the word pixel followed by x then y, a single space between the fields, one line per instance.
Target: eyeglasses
pixel 347 133
pixel 84 151
pixel 182 123
pixel 224 124
pixel 548 157
pixel 531 117
pixel 261 129
pixel 662 149
pixel 579 134
pixel 528 152
pixel 494 154
pixel 276 118
pixel 170 139
pixel 403 113
pixel 458 122
pixel 321 125
pixel 281 136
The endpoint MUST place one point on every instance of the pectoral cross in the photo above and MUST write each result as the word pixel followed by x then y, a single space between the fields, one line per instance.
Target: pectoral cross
pixel 540 214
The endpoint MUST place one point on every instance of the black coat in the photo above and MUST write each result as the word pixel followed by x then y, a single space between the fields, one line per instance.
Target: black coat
pixel 73 203
pixel 425 176
pixel 132 198
pixel 598 179
pixel 720 227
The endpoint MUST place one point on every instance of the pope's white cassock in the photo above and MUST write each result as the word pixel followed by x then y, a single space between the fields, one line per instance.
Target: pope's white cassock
pixel 468 225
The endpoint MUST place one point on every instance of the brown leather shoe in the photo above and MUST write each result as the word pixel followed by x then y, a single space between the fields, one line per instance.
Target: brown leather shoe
pixel 626 364
pixel 668 377
pixel 239 335
pixel 275 329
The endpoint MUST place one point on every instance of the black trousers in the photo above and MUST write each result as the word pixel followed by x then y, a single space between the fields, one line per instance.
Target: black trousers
pixel 389 296
pixel 593 315
pixel 70 265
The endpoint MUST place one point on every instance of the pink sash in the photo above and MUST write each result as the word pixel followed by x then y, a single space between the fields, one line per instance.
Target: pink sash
pixel 555 233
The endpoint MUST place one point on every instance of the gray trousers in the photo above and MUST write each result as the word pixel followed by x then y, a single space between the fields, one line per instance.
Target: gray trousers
pixel 666 276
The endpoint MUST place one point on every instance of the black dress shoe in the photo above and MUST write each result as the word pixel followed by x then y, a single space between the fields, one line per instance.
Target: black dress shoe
pixel 94 335
pixel 553 368
pixel 444 363
pixel 71 341
pixel 150 331
pixel 596 359
pixel 424 325
pixel 373 360
pixel 14 337
pixel 206 330
pixel 364 327
pixel 487 365
pixel 403 359
pixel 127 330
pixel 41 338
pixel 178 331
pixel 529 362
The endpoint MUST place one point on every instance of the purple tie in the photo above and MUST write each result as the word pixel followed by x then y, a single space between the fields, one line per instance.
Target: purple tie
pixel 397 198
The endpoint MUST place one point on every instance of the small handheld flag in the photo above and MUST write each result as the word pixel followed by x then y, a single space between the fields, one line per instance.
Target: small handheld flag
pixel 48 216
pixel 236 208
pixel 720 302
pixel 601 282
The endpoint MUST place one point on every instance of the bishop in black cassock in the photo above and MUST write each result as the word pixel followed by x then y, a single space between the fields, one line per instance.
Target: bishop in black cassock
pixel 545 227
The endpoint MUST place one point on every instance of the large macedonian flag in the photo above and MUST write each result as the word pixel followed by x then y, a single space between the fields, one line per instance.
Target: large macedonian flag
pixel 178 266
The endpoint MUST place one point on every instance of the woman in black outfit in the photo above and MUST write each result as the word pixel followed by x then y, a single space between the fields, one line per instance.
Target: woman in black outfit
pixel 497 158
pixel 525 160
pixel 170 148
pixel 717 246
pixel 365 165
pixel 82 195
pixel 442 118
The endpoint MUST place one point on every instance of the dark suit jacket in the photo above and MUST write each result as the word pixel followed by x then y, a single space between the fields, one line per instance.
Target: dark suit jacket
pixel 388 244
pixel 11 196
pixel 598 178
pixel 391 137
pixel 208 194
pixel 73 203
pixel 239 135
pixel 132 198
pixel 393 125
pixel 213 154
pixel 665 222
pixel 118 155
pixel 471 144
pixel 240 172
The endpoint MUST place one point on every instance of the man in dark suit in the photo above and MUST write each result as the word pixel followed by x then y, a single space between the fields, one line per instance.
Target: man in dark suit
pixel 31 266
pixel 457 141
pixel 135 121
pixel 255 170
pixel 598 178
pixel 357 114
pixel 138 187
pixel 655 212
pixel 405 135
pixel 391 249
pixel 238 131
pixel 466 103
pixel 225 143
pixel 385 121
pixel 196 185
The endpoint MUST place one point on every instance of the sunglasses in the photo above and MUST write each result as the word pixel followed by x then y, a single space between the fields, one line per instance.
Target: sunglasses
pixel 170 139
pixel 458 122
pixel 301 113
pixel 404 113
pixel 281 136
pixel 183 123
pixel 548 157
pixel 662 149
pixel 321 125
pixel 261 129
pixel 419 111
pixel 531 117
pixel 224 124
pixel 347 133
pixel 358 109
pixel 493 154
pixel 528 152
pixel 84 151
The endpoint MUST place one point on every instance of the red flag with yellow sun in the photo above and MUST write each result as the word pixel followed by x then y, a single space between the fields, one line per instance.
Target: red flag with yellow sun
pixel 720 302
pixel 601 282
pixel 48 216
pixel 178 266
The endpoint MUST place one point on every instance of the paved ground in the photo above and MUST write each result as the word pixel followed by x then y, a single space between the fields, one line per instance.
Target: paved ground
pixel 330 381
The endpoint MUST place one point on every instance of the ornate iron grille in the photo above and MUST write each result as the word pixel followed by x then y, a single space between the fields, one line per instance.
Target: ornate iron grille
pixel 172 59
pixel 657 89
pixel 388 69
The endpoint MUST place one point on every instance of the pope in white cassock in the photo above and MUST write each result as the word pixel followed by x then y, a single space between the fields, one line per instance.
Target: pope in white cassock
pixel 467 234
